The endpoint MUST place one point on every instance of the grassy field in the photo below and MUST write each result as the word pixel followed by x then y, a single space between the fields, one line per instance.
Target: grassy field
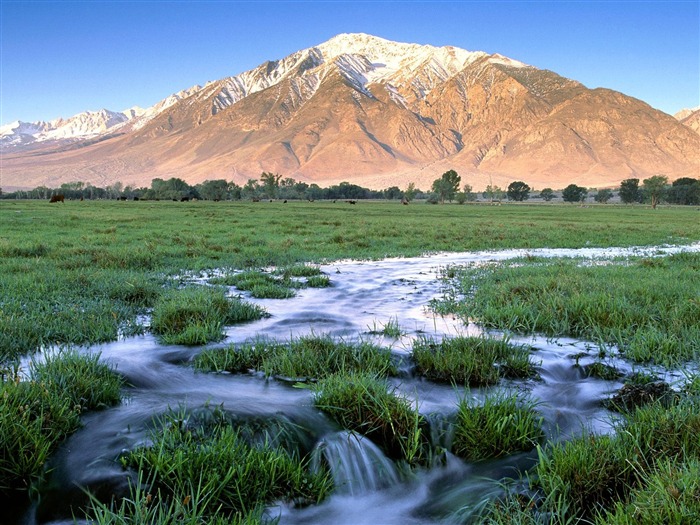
pixel 80 272
pixel 83 272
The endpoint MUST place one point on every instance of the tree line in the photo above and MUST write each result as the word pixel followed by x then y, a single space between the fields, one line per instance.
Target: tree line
pixel 448 187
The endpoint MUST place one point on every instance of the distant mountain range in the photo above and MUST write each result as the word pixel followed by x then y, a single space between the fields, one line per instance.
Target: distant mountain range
pixel 362 109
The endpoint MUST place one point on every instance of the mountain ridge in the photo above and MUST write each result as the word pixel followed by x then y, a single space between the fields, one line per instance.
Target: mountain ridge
pixel 374 112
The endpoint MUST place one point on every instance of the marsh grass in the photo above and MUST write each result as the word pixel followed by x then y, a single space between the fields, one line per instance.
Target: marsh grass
pixel 474 361
pixel 304 358
pixel 501 425
pixel 600 475
pixel 196 315
pixel 279 284
pixel 71 251
pixel 366 404
pixel 390 329
pixel 38 413
pixel 230 477
pixel 670 495
pixel 602 371
pixel 650 313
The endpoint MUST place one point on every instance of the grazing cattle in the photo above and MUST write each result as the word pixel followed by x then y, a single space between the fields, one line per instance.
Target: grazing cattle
pixel 57 198
pixel 184 199
pixel 352 202
pixel 255 199
pixel 136 198
pixel 285 201
pixel 122 198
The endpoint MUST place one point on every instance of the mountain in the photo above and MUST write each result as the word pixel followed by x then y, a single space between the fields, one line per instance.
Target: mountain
pixel 362 109
pixel 690 118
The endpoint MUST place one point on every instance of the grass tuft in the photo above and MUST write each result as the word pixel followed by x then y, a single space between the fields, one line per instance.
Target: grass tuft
pixel 365 404
pixel 197 315
pixel 232 477
pixel 474 361
pixel 502 425
pixel 306 358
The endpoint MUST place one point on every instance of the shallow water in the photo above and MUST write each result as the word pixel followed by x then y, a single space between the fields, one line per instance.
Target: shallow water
pixel 364 296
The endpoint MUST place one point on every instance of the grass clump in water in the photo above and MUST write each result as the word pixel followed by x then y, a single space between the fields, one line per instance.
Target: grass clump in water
pixel 368 405
pixel 474 361
pixel 602 371
pixel 38 413
pixel 197 315
pixel 502 425
pixel 231 476
pixel 306 358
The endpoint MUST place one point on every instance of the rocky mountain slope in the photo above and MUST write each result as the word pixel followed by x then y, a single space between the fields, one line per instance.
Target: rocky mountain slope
pixel 373 112
pixel 690 118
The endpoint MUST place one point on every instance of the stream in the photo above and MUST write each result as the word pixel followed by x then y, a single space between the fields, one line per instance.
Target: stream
pixel 362 298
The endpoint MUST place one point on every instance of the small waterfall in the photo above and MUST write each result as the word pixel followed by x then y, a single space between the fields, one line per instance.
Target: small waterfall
pixel 357 465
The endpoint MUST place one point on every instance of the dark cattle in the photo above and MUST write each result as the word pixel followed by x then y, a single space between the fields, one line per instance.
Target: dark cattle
pixel 352 202
pixel 285 201
pixel 136 198
pixel 57 198
pixel 255 199
pixel 122 198
pixel 404 201
pixel 184 199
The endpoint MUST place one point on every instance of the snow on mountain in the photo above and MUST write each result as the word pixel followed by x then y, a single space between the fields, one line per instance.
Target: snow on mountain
pixel 407 72
pixel 83 125
pixel 685 113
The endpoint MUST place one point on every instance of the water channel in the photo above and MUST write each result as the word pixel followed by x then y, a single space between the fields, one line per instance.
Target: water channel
pixel 363 296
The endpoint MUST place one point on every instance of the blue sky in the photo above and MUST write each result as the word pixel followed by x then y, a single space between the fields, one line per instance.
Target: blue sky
pixel 58 58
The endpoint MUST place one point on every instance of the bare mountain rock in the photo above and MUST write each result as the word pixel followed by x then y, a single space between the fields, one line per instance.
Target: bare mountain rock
pixel 376 113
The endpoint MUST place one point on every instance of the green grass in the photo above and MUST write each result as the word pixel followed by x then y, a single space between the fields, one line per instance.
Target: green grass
pixel 99 262
pixel 649 311
pixel 305 358
pixel 279 284
pixel 503 424
pixel 38 413
pixel 231 477
pixel 473 361
pixel 85 272
pixel 596 475
pixel 670 495
pixel 196 315
pixel 366 404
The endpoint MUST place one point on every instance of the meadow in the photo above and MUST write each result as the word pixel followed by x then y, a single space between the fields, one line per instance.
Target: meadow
pixel 81 273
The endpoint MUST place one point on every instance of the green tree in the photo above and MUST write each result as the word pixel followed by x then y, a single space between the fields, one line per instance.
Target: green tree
pixel 469 194
pixel 629 191
pixel 213 190
pixel 270 183
pixel 392 193
pixel 447 186
pixel 251 189
pixel 603 196
pixel 493 193
pixel 684 191
pixel 410 192
pixel 654 188
pixel 574 193
pixel 547 194
pixel 518 191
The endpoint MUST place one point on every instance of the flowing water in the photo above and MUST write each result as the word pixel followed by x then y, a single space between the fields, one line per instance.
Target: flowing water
pixel 364 296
